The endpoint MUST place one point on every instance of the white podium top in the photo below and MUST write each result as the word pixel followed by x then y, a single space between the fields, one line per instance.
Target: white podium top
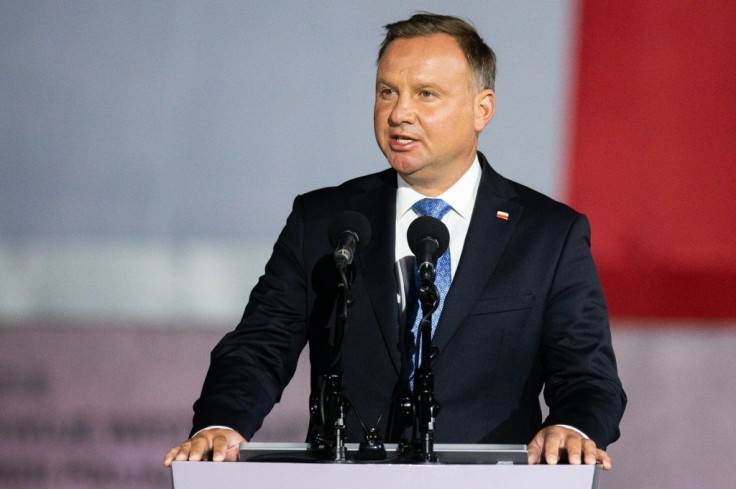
pixel 267 475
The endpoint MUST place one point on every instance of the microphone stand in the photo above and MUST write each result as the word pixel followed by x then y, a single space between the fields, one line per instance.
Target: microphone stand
pixel 427 406
pixel 330 408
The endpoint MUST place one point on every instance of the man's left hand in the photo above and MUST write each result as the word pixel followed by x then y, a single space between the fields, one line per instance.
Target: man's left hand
pixel 556 443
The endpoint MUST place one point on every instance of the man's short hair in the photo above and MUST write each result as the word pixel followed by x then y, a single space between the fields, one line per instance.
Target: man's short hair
pixel 479 55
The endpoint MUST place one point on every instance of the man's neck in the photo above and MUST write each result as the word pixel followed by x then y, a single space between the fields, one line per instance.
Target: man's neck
pixel 432 187
pixel 467 183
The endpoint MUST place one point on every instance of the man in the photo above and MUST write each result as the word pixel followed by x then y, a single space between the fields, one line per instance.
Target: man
pixel 524 310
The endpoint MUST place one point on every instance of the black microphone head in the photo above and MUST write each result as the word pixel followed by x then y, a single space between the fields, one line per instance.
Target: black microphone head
pixel 424 227
pixel 354 222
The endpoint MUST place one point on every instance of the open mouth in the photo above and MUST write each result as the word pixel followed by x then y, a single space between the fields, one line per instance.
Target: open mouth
pixel 402 140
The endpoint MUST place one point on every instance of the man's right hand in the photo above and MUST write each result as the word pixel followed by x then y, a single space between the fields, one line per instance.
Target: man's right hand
pixel 216 444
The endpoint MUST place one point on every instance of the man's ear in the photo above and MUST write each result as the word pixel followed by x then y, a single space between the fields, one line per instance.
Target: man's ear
pixel 485 107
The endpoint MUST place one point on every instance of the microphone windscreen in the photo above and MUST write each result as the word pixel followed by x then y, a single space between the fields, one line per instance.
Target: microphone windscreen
pixel 428 227
pixel 354 222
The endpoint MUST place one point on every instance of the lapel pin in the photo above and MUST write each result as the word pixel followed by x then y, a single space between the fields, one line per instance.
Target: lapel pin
pixel 502 215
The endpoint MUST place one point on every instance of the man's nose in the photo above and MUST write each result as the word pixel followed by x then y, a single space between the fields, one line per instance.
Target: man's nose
pixel 403 111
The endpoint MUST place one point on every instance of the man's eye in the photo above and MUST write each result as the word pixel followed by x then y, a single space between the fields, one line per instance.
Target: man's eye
pixel 426 94
pixel 386 91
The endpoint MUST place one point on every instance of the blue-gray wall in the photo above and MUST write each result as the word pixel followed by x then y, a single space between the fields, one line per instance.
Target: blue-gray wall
pixel 150 151
pixel 181 120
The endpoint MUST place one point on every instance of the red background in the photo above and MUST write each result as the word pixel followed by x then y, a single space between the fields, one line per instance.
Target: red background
pixel 653 152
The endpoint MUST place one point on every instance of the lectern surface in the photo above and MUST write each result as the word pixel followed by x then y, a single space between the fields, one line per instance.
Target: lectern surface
pixel 267 475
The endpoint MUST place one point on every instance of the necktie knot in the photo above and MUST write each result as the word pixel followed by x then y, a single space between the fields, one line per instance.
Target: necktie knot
pixel 436 208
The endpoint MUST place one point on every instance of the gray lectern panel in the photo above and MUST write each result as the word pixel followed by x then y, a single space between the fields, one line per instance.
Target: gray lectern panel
pixel 256 475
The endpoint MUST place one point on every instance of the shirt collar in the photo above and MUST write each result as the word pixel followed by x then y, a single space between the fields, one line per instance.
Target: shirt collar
pixel 461 196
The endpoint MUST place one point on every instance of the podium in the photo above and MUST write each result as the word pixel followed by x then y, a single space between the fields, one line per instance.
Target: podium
pixel 369 475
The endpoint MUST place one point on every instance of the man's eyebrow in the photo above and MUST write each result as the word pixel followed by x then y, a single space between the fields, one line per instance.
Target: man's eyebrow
pixel 382 82
pixel 419 85
pixel 426 85
pixel 431 86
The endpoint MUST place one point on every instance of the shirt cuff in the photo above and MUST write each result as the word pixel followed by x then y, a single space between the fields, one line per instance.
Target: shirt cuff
pixel 215 426
pixel 574 429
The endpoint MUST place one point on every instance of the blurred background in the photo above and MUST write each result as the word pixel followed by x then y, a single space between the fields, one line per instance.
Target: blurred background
pixel 150 152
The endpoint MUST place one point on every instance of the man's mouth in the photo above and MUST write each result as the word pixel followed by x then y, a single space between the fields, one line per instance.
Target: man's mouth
pixel 402 140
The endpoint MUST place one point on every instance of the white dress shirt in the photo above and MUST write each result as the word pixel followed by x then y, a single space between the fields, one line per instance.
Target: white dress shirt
pixel 460 197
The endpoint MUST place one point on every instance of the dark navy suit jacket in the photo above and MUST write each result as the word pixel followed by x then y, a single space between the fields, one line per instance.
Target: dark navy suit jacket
pixel 525 311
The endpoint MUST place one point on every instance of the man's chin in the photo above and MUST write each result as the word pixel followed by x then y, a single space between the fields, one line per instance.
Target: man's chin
pixel 405 165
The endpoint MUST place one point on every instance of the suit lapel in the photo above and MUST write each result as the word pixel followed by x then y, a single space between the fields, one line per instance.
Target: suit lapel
pixel 376 262
pixel 488 236
pixel 487 239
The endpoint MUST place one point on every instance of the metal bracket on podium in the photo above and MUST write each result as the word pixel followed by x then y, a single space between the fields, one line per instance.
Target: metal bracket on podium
pixel 446 453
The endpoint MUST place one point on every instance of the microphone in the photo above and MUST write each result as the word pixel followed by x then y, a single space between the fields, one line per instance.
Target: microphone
pixel 428 239
pixel 348 232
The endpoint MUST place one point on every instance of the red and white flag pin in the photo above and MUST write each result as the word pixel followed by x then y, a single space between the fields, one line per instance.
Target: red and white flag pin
pixel 502 215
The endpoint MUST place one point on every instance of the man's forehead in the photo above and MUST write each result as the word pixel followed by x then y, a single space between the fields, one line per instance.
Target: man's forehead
pixel 432 42
pixel 426 54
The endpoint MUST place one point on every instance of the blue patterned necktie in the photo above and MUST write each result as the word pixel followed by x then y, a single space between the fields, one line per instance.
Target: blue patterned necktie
pixel 436 208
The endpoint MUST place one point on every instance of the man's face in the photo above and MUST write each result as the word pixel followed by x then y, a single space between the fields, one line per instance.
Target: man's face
pixel 427 113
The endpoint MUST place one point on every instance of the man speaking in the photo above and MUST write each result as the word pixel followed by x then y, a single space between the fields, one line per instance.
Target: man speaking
pixel 522 309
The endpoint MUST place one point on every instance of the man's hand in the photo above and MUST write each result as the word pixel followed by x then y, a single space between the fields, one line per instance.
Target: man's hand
pixel 557 442
pixel 216 444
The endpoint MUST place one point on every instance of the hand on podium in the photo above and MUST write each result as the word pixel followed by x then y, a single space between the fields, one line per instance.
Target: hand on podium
pixel 215 444
pixel 556 442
